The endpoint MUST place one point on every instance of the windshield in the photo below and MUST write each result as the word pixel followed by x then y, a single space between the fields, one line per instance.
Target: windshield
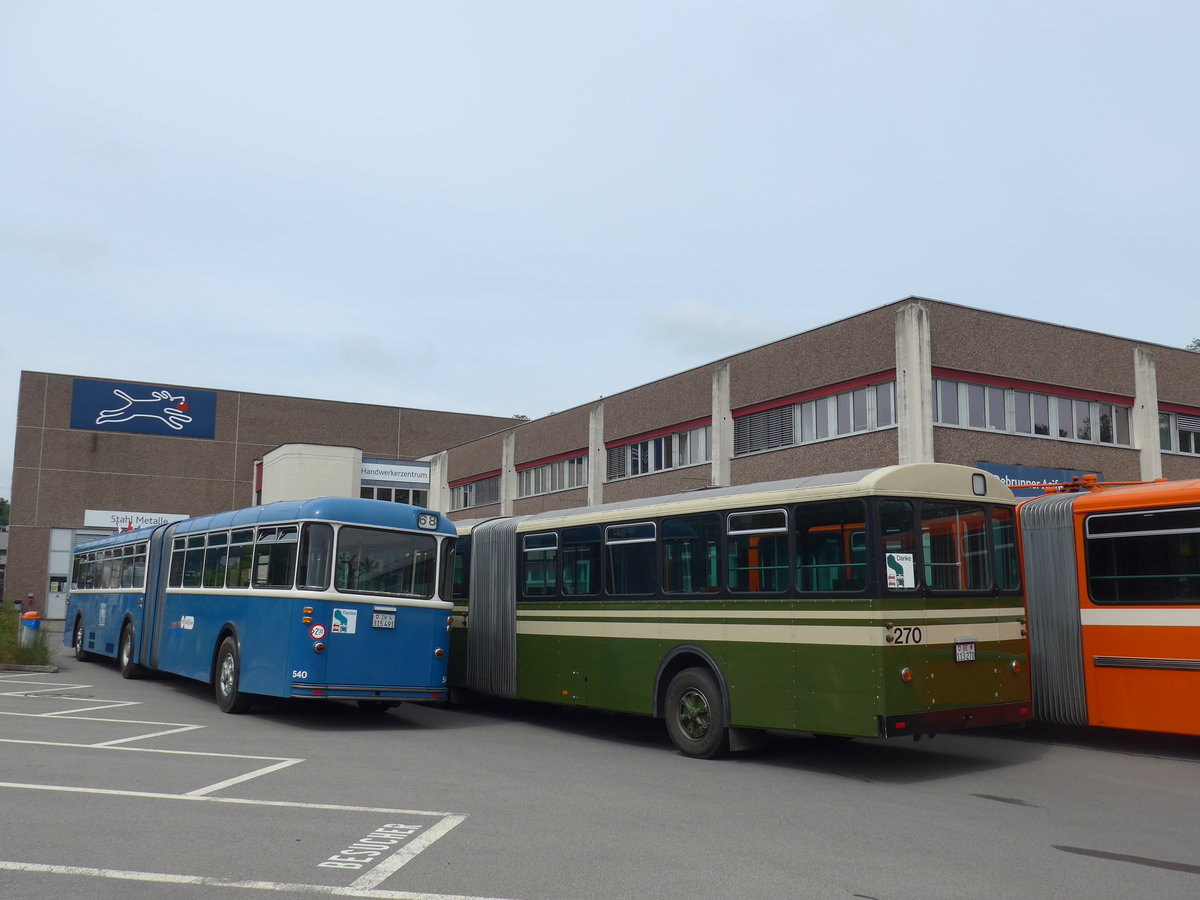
pixel 389 563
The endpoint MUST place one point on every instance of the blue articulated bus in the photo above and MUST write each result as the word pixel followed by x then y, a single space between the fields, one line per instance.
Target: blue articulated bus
pixel 335 597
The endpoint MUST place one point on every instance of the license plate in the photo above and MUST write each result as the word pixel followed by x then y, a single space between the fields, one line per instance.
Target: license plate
pixel 964 652
pixel 388 620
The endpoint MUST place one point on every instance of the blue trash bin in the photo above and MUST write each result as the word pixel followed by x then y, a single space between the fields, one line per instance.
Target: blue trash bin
pixel 30 623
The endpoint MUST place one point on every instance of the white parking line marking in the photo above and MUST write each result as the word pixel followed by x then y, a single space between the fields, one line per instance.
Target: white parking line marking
pixel 277 762
pixel 153 795
pixel 229 782
pixel 388 867
pixel 139 737
pixel 277 886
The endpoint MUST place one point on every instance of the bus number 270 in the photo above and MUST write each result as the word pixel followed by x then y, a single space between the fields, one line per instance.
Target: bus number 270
pixel 906 634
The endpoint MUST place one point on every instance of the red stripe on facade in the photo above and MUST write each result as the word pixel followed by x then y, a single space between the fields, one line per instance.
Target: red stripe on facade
pixel 827 391
pixel 1031 386
pixel 658 432
pixel 546 460
pixel 474 478
pixel 1179 408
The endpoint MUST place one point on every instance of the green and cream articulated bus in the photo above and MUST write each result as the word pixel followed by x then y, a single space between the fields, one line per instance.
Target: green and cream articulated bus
pixel 877 603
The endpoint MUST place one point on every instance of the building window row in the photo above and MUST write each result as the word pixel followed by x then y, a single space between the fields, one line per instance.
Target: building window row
pixel 835 415
pixel 560 475
pixel 1179 433
pixel 484 492
pixel 395 495
pixel 991 408
pixel 690 447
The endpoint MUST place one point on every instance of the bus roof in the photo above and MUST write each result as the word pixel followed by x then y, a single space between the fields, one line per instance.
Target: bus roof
pixel 913 480
pixel 372 513
pixel 1129 496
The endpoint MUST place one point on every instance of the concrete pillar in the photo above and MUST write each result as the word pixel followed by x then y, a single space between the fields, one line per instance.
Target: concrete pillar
pixel 439 481
pixel 508 474
pixel 1145 414
pixel 914 385
pixel 722 427
pixel 597 455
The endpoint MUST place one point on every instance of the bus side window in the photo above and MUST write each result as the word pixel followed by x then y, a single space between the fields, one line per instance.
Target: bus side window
pixel 899 544
pixel 214 559
pixel 581 561
pixel 178 552
pixel 1147 556
pixel 78 567
pixel 275 557
pixel 316 551
pixel 758 552
pixel 632 571
pixel 831 548
pixel 1004 549
pixel 193 562
pixel 241 555
pixel 691 554
pixel 954 547
pixel 447 568
pixel 462 568
pixel 139 565
pixel 106 579
pixel 540 559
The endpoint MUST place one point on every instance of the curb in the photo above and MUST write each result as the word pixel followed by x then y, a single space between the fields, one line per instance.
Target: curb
pixel 12 667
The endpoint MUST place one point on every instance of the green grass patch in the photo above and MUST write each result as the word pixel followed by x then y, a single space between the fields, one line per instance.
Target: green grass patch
pixel 10 650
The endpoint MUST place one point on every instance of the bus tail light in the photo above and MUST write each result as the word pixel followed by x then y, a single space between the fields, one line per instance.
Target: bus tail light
pixel 439 653
pixel 319 647
pixel 1016 667
pixel 906 675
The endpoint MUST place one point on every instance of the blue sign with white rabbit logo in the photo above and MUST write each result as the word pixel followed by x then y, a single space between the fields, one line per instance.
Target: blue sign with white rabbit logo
pixel 143 409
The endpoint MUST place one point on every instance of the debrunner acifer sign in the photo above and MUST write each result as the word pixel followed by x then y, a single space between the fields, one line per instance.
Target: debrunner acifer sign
pixel 143 408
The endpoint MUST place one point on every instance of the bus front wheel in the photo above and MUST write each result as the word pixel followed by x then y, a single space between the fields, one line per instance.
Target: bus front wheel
pixel 695 713
pixel 77 639
pixel 229 698
pixel 129 668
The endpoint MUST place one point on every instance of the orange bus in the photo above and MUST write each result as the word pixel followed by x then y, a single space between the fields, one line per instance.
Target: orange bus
pixel 1112 577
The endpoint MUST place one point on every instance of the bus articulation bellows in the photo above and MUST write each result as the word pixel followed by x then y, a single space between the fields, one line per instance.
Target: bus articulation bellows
pixel 872 603
pixel 325 598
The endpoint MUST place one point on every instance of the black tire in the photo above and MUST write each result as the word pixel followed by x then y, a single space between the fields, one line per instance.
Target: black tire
pixel 226 677
pixel 77 639
pixel 129 668
pixel 695 714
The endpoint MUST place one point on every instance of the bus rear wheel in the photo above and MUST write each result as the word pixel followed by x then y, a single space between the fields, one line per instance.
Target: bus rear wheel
pixel 129 668
pixel 229 698
pixel 77 639
pixel 695 713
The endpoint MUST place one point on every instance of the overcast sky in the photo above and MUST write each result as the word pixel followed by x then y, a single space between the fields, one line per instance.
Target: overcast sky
pixel 515 208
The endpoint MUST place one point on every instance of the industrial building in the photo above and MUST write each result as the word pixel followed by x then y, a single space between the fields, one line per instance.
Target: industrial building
pixel 917 380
